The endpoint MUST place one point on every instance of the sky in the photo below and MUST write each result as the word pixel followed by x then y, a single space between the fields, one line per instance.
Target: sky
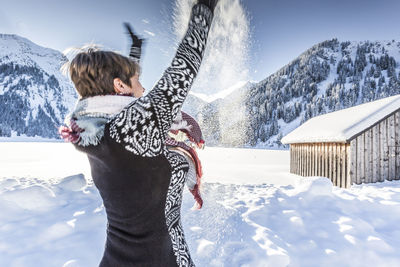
pixel 280 30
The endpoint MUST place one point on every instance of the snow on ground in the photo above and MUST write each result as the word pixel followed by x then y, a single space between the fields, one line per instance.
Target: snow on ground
pixel 255 213
pixel 15 137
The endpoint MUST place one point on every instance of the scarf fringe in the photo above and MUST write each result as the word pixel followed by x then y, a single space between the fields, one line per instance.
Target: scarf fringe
pixel 91 139
pixel 87 122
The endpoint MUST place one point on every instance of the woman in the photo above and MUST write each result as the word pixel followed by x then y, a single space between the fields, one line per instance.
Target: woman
pixel 185 134
pixel 139 179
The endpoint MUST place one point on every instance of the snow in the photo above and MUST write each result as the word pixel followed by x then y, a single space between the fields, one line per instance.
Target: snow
pixel 255 212
pixel 222 94
pixel 225 62
pixel 23 52
pixel 319 53
pixel 342 125
pixel 15 137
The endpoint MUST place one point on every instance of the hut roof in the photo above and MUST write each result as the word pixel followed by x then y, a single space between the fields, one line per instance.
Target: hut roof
pixel 343 125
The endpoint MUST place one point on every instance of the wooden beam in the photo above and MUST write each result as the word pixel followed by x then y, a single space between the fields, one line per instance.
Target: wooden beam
pixel 353 161
pixel 391 148
pixel 348 166
pixel 309 160
pixel 335 166
pixel 315 150
pixel 301 160
pixel 323 157
pixel 297 160
pixel 344 164
pixel 375 154
pixel 316 146
pixel 291 159
pixel 384 163
pixel 319 160
pixel 319 152
pixel 305 166
pixel 338 163
pixel 326 154
pixel 294 160
pixel 330 152
pixel 310 146
pixel 360 159
pixel 305 159
pixel 397 143
pixel 368 156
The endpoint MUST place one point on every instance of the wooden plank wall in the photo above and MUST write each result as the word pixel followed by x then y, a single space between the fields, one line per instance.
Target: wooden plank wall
pixel 377 156
pixel 322 159
pixel 373 156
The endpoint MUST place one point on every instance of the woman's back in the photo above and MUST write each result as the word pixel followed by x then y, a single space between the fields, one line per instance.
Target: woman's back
pixel 134 191
pixel 140 181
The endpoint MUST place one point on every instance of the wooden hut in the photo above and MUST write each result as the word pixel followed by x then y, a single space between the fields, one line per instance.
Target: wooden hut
pixel 358 145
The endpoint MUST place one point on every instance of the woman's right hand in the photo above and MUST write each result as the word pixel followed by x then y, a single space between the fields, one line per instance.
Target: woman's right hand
pixel 210 3
pixel 135 52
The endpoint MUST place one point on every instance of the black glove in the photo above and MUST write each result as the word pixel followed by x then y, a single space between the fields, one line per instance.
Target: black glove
pixel 210 3
pixel 136 47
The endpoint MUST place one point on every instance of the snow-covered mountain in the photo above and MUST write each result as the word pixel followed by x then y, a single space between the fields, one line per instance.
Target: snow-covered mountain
pixel 193 105
pixel 332 75
pixel 329 76
pixel 34 95
pixel 225 120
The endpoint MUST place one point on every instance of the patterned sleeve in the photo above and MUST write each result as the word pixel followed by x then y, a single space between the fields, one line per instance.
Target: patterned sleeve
pixel 171 90
pixel 142 126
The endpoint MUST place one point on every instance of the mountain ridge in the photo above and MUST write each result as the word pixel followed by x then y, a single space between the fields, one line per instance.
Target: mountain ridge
pixel 34 95
pixel 329 76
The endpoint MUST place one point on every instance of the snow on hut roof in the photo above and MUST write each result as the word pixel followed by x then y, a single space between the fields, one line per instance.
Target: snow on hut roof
pixel 343 125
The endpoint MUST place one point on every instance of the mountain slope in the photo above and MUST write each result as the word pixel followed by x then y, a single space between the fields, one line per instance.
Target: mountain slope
pixel 330 76
pixel 225 120
pixel 34 95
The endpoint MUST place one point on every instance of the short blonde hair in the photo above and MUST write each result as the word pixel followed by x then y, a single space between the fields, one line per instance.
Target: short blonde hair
pixel 93 71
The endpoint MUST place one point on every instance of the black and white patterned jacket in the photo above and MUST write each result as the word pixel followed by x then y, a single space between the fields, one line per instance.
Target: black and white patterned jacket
pixel 140 181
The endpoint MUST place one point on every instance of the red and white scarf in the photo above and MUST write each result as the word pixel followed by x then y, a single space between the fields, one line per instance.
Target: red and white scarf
pixel 85 126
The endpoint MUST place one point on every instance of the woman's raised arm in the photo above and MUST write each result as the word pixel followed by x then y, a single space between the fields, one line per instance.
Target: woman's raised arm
pixel 171 90
pixel 142 126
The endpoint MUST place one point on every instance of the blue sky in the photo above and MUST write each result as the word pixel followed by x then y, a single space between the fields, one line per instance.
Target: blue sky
pixel 280 29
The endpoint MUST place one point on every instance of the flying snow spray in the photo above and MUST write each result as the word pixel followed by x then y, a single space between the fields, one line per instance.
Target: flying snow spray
pixel 224 65
pixel 225 61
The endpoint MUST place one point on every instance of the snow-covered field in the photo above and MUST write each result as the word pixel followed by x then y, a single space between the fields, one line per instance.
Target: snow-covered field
pixel 255 213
